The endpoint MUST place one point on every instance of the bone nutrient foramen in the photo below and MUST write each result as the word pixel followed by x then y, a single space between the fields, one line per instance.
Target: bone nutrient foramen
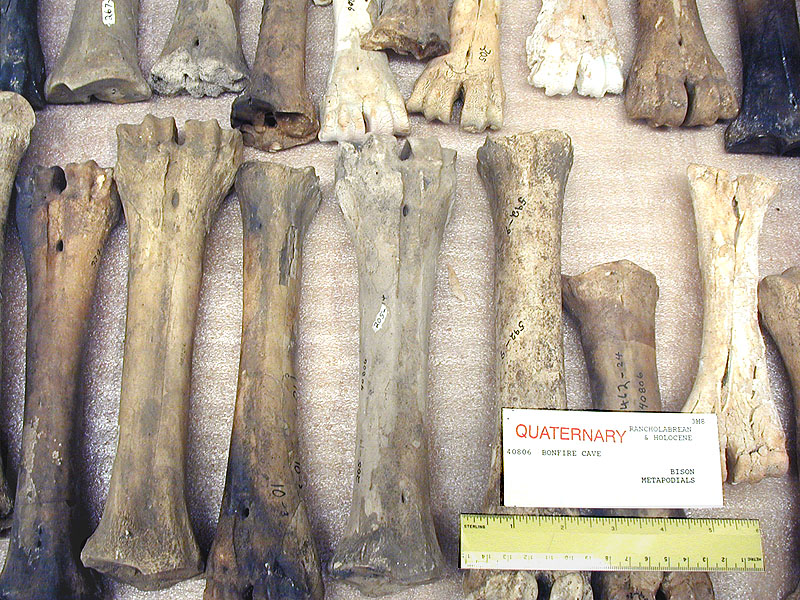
pixel 731 377
pixel 525 176
pixel 263 544
pixel 21 60
pixel 396 203
pixel 170 193
pixel 417 27
pixel 64 218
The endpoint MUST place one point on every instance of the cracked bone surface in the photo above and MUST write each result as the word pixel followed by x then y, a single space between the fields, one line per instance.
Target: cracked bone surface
pixel 21 59
pixel 275 112
pixel 769 121
pixel 99 58
pixel 525 176
pixel 396 203
pixel 170 192
pixel 64 218
pixel 675 78
pixel 263 544
pixel 573 46
pixel 731 377
pixel 615 307
pixel 362 94
pixel 470 70
pixel 417 27
pixel 203 53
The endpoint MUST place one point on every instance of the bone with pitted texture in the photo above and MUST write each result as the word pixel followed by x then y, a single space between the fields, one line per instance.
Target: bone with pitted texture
pixel 21 60
pixel 573 46
pixel 471 70
pixel 170 193
pixel 263 546
pixel 417 27
pixel 64 218
pixel 396 203
pixel 731 377
pixel 675 78
pixel 99 59
pixel 525 176
pixel 615 307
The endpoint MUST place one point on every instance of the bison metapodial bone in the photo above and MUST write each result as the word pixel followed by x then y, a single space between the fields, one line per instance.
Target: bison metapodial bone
pixel 525 176
pixel 417 27
pixel 275 112
pixel 675 78
pixel 263 544
pixel 170 192
pixel 471 69
pixel 203 52
pixel 769 121
pixel 396 203
pixel 573 46
pixel 99 59
pixel 731 377
pixel 64 218
pixel 21 60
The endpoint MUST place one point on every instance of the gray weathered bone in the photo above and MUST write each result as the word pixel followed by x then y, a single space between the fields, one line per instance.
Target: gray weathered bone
pixel 64 219
pixel 732 373
pixel 525 176
pixel 99 58
pixel 417 27
pixel 396 203
pixel 170 193
pixel 203 52
pixel 263 544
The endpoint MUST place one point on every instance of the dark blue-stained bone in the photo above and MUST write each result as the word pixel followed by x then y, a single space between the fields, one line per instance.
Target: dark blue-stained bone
pixel 21 61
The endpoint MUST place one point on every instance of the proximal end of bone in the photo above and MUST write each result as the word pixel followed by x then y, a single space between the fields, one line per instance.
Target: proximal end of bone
pixel 404 35
pixel 16 123
pixel 268 127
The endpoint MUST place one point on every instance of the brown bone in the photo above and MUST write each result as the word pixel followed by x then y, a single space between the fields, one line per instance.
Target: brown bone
pixel 417 27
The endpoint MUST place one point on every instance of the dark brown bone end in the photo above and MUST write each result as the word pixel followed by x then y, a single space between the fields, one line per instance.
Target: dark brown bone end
pixel 387 36
pixel 266 126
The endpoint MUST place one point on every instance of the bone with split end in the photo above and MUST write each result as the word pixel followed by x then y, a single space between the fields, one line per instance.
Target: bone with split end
pixel 471 70
pixel 675 78
pixel 573 46
pixel 64 219
pixel 396 203
pixel 525 176
pixel 170 193
pixel 417 27
pixel 275 112
pixel 263 546
pixel 731 377
pixel 203 52
pixel 98 59
pixel 21 60
pixel 615 306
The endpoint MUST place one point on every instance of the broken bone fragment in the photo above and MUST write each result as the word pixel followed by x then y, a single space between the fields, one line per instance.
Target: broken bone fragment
pixel 21 59
pixel 675 79
pixel 64 218
pixel 731 379
pixel 416 27
pixel 263 543
pixel 170 193
pixel 396 202
pixel 573 46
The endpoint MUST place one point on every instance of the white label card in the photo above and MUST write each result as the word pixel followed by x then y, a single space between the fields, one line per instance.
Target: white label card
pixel 598 459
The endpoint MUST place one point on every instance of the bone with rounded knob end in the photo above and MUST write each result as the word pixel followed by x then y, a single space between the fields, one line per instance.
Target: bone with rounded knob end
pixel 416 27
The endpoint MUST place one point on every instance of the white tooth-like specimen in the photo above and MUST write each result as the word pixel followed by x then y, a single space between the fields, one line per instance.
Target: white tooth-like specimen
pixel 396 203
pixel 731 377
pixel 573 46
pixel 471 70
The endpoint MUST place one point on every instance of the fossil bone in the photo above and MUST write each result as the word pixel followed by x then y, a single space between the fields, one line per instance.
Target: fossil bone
pixel 203 52
pixel 275 112
pixel 417 27
pixel 675 78
pixel 731 377
pixel 573 46
pixel 170 193
pixel 64 218
pixel 471 69
pixel 99 58
pixel 525 176
pixel 769 121
pixel 21 60
pixel 263 544
pixel 396 205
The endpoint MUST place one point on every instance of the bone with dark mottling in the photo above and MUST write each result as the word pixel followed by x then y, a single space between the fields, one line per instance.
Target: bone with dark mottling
pixel 416 27
pixel 21 60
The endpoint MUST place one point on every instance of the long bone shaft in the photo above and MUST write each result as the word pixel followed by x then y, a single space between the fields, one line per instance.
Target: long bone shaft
pixel 64 218
pixel 396 205
pixel 170 193
pixel 525 176
pixel 21 60
pixel 417 27
pixel 731 377
pixel 99 58
pixel 263 544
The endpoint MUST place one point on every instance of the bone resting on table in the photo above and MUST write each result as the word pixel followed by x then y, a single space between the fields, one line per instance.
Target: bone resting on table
pixel 263 544
pixel 21 60
pixel 416 27
pixel 170 193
